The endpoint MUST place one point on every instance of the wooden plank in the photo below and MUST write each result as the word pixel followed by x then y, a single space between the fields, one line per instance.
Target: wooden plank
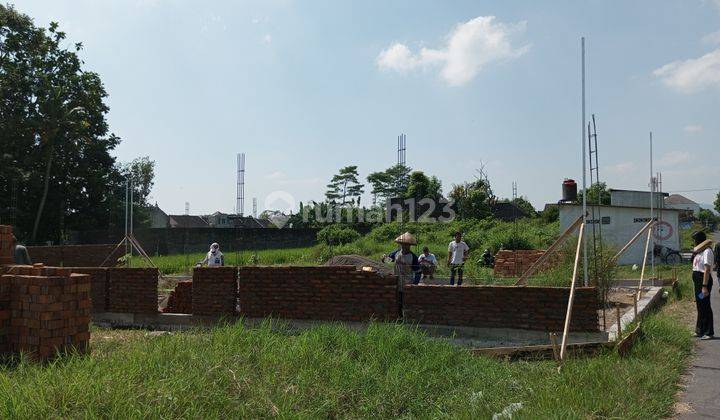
pixel 102 264
pixel 549 252
pixel 702 246
pixel 626 344
pixel 632 241
pixel 642 272
pixel 568 315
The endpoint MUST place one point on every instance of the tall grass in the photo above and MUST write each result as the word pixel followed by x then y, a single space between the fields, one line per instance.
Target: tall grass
pixel 330 371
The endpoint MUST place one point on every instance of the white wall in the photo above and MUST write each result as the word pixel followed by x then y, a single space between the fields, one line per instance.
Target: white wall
pixel 622 224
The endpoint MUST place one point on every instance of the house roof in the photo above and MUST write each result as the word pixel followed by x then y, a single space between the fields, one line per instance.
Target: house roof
pixel 678 199
pixel 508 211
pixel 664 194
pixel 247 222
pixel 185 221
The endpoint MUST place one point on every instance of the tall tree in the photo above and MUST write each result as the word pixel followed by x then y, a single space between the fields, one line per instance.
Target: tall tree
pixel 345 187
pixel 473 199
pixel 598 190
pixel 420 186
pixel 717 202
pixel 390 183
pixel 53 133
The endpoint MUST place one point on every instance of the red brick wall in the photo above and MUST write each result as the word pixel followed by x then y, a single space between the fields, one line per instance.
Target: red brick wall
pixel 528 308
pixel 5 286
pixel 75 255
pixel 7 245
pixel 49 311
pixel 214 291
pixel 98 283
pixel 180 299
pixel 322 293
pixel 510 263
pixel 132 290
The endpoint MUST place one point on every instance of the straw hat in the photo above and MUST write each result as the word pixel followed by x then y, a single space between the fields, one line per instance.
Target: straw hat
pixel 406 238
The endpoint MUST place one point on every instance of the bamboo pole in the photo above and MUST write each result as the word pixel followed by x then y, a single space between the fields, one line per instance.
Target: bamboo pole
pixel 551 250
pixel 568 314
pixel 642 272
pixel 632 241
pixel 619 322
pixel 102 264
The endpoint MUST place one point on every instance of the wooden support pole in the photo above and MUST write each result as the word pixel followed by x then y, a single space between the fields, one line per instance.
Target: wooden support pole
pixel 568 314
pixel 635 302
pixel 553 342
pixel 642 272
pixel 102 264
pixel 549 252
pixel 632 241
pixel 619 322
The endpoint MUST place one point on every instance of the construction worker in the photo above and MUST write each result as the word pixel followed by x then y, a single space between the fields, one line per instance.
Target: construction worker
pixel 214 257
pixel 702 280
pixel 20 254
pixel 428 263
pixel 406 262
pixel 458 252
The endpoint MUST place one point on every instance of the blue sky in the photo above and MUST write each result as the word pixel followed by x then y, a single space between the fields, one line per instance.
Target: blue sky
pixel 306 87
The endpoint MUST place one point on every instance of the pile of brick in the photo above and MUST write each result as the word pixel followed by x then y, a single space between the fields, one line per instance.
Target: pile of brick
pixel 339 293
pixel 214 291
pixel 49 311
pixel 529 308
pixel 180 299
pixel 509 263
pixel 132 290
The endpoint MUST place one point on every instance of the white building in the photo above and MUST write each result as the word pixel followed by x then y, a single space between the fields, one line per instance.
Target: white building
pixel 620 223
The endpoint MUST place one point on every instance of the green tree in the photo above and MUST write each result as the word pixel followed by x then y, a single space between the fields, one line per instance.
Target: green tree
pixel 597 190
pixel 53 133
pixel 717 202
pixel 473 199
pixel 142 172
pixel 390 183
pixel 420 186
pixel 524 204
pixel 707 217
pixel 345 187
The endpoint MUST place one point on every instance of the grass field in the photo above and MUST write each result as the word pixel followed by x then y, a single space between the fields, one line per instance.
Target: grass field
pixel 329 371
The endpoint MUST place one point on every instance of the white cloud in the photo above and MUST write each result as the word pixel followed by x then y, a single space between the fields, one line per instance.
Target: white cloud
pixel 712 38
pixel 277 175
pixel 693 129
pixel 692 75
pixel 622 168
pixel 675 158
pixel 470 47
pixel 267 39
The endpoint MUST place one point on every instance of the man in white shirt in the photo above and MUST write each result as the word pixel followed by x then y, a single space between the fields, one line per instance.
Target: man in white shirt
pixel 428 263
pixel 458 252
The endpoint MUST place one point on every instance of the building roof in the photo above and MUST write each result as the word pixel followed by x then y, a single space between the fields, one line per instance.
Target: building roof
pixel 247 222
pixel 561 205
pixel 679 199
pixel 186 221
pixel 664 194
pixel 507 211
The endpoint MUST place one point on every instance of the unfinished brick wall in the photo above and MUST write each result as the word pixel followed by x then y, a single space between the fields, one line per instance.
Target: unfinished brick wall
pixel 132 290
pixel 509 263
pixel 214 291
pixel 322 293
pixel 528 308
pixel 180 299
pixel 98 286
pixel 49 311
pixel 75 255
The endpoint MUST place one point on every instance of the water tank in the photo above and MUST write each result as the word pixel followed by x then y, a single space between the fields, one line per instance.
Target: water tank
pixel 569 190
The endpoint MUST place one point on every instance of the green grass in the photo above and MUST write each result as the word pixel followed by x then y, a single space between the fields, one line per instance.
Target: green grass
pixel 330 371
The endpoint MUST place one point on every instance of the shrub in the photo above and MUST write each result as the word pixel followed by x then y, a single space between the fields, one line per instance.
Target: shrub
pixel 337 235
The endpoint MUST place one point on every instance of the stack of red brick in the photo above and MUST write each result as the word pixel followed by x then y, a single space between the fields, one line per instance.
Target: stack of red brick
pixel 7 245
pixel 339 293
pixel 180 299
pixel 49 311
pixel 214 291
pixel 509 263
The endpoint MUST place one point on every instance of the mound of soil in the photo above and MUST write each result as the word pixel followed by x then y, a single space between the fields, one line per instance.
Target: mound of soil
pixel 359 262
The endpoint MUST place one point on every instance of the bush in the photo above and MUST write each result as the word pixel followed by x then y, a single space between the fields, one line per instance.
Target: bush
pixel 337 235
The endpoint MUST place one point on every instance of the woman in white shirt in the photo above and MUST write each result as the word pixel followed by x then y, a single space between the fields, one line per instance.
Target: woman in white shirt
pixel 702 280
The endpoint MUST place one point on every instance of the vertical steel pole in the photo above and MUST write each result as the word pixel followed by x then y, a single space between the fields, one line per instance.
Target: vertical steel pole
pixel 585 192
pixel 127 192
pixel 652 203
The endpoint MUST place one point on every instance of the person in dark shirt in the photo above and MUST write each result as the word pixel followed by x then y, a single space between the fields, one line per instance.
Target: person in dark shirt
pixel 20 254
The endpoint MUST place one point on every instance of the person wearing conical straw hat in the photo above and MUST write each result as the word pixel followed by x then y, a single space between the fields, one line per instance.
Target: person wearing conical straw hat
pixel 406 262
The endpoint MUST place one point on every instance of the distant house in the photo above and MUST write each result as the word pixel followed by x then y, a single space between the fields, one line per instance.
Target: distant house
pixel 186 221
pixel 224 220
pixel 507 212
pixel 158 218
pixel 680 202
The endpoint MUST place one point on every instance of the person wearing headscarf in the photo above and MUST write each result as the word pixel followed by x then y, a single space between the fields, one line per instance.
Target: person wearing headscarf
pixel 702 282
pixel 214 257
